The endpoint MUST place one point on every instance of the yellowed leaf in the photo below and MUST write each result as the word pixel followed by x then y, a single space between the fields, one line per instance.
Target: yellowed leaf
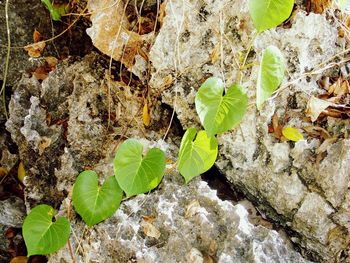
pixel 145 114
pixel 150 230
pixel 3 171
pixel 20 259
pixel 21 172
pixel 292 134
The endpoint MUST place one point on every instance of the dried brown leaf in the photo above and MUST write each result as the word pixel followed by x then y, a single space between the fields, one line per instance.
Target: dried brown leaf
pixel 37 36
pixel 315 107
pixel 149 219
pixel 112 34
pixel 318 6
pixel 150 230
pixel 316 131
pixel 35 50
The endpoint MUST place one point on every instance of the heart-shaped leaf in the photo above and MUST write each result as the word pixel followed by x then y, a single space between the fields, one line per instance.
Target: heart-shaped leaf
pixel 137 174
pixel 267 14
pixel 220 113
pixel 271 74
pixel 43 236
pixel 197 153
pixel 95 203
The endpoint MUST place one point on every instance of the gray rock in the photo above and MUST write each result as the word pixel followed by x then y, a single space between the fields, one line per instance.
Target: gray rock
pixel 25 16
pixel 194 226
pixel 283 178
pixel 61 125
pixel 12 212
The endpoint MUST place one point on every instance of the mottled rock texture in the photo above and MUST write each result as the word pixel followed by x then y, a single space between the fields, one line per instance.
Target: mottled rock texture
pixel 194 226
pixel 208 38
pixel 70 121
pixel 61 127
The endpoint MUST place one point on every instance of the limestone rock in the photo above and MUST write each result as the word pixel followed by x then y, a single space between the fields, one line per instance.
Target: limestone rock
pixel 206 38
pixel 72 120
pixel 214 230
pixel 12 212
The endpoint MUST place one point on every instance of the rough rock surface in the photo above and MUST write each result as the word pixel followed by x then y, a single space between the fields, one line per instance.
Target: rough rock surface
pixel 177 223
pixel 24 17
pixel 12 212
pixel 61 127
pixel 206 38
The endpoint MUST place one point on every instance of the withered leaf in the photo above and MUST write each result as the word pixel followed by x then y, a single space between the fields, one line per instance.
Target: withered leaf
pixel 150 230
pixel 35 50
pixel 315 107
pixel 318 6
pixel 316 131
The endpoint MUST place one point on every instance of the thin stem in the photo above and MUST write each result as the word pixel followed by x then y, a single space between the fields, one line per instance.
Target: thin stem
pixel 246 55
pixel 7 62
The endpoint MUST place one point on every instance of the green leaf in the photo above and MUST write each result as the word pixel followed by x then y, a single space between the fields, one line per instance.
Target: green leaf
pixel 271 74
pixel 95 203
pixel 137 174
pixel 267 14
pixel 43 236
pixel 54 12
pixel 292 134
pixel 197 153
pixel 220 113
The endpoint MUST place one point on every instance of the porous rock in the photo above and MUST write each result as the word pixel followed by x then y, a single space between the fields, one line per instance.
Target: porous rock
pixel 206 38
pixel 194 226
pixel 70 121
pixel 61 126
pixel 12 212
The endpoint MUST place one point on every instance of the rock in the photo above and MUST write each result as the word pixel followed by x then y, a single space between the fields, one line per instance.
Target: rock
pixel 63 124
pixel 205 38
pixel 12 212
pixel 24 17
pixel 22 25
pixel 194 225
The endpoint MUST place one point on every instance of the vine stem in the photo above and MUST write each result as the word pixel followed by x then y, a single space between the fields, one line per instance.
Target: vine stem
pixel 246 56
pixel 7 62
